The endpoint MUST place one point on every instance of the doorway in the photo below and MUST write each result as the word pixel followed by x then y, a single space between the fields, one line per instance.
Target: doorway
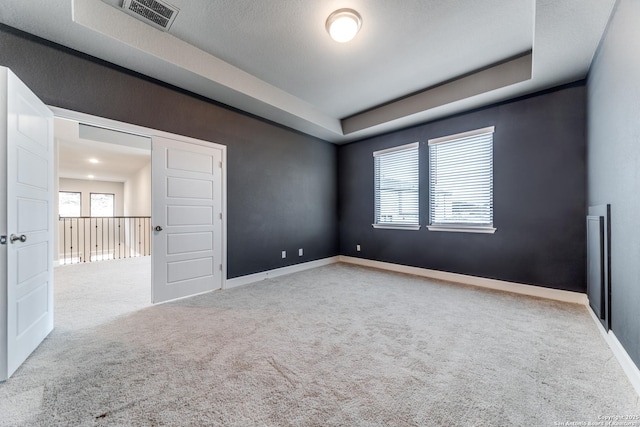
pixel 104 193
pixel 188 182
pixel 102 206
pixel 187 221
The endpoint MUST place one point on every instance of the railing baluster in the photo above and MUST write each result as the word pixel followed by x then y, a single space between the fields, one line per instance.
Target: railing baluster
pixel 102 240
pixel 64 240
pixel 108 248
pixel 96 238
pixel 78 238
pixel 92 231
pixel 84 241
pixel 138 239
pixel 146 228
pixel 71 240
pixel 119 233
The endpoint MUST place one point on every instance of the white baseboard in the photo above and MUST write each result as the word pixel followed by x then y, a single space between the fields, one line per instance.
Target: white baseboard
pixel 252 278
pixel 625 361
pixel 628 366
pixel 601 329
pixel 517 288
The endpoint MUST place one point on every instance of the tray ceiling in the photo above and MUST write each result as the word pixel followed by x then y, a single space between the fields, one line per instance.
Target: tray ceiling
pixel 413 61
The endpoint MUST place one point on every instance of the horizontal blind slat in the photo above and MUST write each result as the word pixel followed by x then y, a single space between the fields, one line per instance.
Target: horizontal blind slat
pixel 461 181
pixel 397 186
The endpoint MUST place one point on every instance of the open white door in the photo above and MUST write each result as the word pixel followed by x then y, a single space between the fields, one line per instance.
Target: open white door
pixel 26 223
pixel 187 219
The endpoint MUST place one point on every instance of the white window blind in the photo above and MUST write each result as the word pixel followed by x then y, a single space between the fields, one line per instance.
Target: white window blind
pixel 397 187
pixel 461 180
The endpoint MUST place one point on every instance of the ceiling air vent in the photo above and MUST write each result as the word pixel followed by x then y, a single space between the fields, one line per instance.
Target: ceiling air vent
pixel 156 13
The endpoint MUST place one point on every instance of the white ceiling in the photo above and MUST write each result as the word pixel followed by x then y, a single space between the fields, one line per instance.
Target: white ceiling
pixel 275 59
pixel 118 160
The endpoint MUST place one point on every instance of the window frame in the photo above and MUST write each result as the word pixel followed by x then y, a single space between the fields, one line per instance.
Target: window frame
pixel 79 193
pixel 464 227
pixel 113 214
pixel 391 225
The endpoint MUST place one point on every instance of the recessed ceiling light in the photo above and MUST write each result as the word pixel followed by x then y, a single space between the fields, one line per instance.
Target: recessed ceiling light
pixel 94 161
pixel 343 25
pixel 90 176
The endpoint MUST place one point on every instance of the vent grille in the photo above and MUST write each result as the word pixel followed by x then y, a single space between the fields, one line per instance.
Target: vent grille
pixel 157 13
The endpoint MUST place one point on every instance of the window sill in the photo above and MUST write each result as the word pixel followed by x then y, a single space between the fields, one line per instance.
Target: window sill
pixel 454 229
pixel 396 226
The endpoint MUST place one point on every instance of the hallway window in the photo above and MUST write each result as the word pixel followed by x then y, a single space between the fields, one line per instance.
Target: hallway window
pixel 102 204
pixel 69 204
pixel 397 187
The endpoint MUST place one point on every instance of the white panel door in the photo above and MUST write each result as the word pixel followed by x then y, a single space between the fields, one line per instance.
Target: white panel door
pixel 187 219
pixel 26 223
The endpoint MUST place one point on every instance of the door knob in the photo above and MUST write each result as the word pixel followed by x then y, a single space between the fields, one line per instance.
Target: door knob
pixel 158 228
pixel 14 238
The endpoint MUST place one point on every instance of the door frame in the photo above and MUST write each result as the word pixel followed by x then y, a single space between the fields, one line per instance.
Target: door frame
pixel 604 212
pixel 151 133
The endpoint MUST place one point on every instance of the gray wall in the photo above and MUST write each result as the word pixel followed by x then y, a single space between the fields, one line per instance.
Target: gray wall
pixel 614 162
pixel 281 184
pixel 539 196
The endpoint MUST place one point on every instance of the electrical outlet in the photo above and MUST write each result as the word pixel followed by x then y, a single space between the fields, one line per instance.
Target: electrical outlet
pixel 284 254
pixel 358 248
pixel 300 252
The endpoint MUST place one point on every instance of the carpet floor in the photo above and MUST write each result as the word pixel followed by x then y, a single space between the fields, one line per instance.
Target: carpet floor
pixel 334 346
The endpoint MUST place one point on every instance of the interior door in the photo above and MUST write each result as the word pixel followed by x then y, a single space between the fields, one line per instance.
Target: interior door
pixel 187 219
pixel 26 223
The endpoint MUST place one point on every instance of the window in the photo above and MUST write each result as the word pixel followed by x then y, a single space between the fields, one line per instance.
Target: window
pixel 69 204
pixel 102 204
pixel 461 182
pixel 396 187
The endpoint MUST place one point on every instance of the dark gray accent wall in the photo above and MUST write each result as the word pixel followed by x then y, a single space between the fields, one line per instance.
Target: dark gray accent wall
pixel 281 184
pixel 539 196
pixel 614 162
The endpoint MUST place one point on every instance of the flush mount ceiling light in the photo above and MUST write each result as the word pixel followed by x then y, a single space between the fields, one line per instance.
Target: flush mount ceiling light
pixel 343 25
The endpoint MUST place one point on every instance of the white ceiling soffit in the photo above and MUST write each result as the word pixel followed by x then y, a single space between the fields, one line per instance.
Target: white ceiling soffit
pixel 118 159
pixel 424 60
pixel 111 136
pixel 498 76
pixel 200 72
pixel 233 86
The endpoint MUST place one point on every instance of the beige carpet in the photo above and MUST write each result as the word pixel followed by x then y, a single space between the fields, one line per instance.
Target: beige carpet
pixel 338 345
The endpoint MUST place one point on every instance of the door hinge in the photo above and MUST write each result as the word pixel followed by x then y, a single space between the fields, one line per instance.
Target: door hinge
pixel 220 215
pixel 3 240
pixel 220 267
pixel 220 165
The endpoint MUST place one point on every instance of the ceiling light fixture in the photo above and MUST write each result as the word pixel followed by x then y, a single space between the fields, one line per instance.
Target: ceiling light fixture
pixel 343 25
pixel 90 176
pixel 94 161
